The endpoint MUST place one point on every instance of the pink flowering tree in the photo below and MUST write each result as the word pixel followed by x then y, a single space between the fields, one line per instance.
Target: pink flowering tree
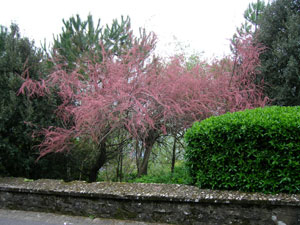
pixel 145 98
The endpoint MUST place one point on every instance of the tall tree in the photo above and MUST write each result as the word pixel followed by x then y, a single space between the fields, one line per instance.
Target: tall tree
pixel 280 33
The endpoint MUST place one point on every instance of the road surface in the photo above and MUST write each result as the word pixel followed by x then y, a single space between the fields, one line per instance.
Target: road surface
pixel 16 217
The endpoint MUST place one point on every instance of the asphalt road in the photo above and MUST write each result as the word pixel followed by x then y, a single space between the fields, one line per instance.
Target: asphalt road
pixel 16 217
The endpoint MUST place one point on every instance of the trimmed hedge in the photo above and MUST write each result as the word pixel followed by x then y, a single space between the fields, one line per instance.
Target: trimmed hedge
pixel 254 150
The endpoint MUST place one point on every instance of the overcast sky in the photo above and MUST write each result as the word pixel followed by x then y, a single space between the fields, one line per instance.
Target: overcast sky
pixel 205 25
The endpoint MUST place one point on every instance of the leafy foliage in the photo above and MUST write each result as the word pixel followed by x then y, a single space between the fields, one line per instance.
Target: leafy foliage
pixel 254 150
pixel 280 33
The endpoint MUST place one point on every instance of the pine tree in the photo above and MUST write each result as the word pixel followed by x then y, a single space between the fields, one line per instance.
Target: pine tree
pixel 82 40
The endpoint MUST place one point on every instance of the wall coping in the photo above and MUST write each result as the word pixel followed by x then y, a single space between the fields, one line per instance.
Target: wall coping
pixel 140 191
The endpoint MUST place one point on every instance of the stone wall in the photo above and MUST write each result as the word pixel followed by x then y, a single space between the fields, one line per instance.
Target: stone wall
pixel 174 204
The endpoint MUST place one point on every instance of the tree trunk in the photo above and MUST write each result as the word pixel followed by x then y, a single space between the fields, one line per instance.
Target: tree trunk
pixel 143 170
pixel 120 166
pixel 138 156
pixel 174 154
pixel 100 161
pixel 149 142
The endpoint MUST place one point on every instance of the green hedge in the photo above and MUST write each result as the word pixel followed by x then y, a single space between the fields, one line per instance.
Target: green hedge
pixel 254 150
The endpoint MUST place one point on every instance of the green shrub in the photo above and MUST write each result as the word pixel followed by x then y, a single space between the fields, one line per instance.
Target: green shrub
pixel 254 150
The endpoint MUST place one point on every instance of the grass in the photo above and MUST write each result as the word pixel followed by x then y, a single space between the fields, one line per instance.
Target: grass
pixel 179 176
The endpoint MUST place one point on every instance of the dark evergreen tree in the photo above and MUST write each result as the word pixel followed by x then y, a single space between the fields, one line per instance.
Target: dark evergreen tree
pixel 18 54
pixel 280 33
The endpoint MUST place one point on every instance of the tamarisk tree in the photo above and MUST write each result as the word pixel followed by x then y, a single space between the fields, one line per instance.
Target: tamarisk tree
pixel 137 93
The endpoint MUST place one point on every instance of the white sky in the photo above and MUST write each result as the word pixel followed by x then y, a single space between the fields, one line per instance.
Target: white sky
pixel 205 25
